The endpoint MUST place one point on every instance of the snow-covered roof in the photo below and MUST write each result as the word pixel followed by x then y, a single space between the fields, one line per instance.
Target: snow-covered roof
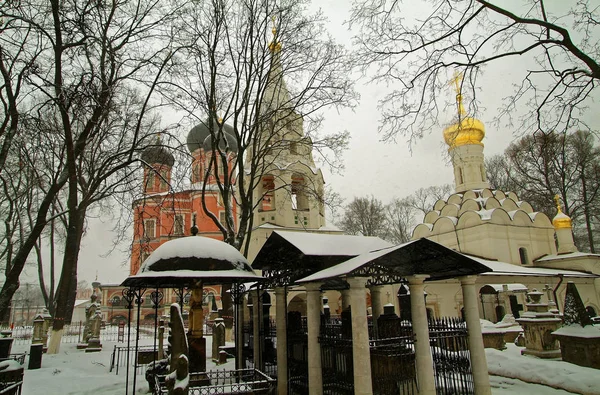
pixel 331 245
pixel 509 287
pixel 197 247
pixel 185 260
pixel 571 255
pixel 508 269
pixel 79 302
pixel 421 256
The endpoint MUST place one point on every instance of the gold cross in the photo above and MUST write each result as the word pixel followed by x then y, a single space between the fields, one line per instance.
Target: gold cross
pixel 557 200
pixel 457 80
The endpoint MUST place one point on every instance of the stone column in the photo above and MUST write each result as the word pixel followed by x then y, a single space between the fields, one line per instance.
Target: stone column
pixel 281 319
pixel 376 306
pixel 361 356
pixel 345 298
pixel 313 319
pixel 256 321
pixel 479 366
pixel 424 361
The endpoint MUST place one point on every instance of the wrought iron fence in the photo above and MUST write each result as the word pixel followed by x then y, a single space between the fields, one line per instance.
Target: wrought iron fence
pixel 73 333
pixel 248 381
pixel 451 357
pixel 336 358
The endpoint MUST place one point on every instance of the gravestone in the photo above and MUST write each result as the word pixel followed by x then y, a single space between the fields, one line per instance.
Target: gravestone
pixel 218 339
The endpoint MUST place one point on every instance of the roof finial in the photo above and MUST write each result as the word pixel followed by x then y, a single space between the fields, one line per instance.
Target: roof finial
pixel 274 46
pixel 457 81
pixel 557 200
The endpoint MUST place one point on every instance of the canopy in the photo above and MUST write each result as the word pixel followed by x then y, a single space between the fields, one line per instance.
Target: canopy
pixel 421 256
pixel 188 260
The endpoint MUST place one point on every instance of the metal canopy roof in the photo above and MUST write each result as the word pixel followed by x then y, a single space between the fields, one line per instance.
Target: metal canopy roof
pixel 390 265
pixel 288 256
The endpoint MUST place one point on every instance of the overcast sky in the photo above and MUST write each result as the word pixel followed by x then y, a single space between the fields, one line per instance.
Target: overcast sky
pixel 385 170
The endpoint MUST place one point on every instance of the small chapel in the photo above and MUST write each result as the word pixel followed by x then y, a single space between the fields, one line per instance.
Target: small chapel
pixel 525 249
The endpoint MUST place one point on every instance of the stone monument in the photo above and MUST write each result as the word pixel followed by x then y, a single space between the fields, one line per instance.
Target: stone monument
pixel 538 324
pixel 218 339
pixel 177 380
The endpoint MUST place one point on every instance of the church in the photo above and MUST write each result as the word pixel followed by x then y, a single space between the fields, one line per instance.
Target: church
pixel 504 233
pixel 524 248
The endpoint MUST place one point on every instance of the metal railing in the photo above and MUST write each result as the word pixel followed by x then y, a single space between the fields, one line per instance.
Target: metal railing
pixel 249 381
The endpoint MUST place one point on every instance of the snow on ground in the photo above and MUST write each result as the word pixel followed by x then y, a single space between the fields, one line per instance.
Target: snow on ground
pixel 75 372
pixel 553 373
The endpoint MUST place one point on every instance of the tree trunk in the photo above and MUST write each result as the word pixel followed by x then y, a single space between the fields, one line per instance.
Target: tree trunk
pixel 67 285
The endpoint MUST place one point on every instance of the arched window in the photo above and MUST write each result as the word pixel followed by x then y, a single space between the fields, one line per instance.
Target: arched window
pixel 268 193
pixel 523 256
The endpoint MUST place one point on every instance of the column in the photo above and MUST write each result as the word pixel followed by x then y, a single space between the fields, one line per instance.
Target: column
pixel 345 298
pixel 424 361
pixel 313 319
pixel 256 323
pixel 376 305
pixel 361 356
pixel 478 359
pixel 281 320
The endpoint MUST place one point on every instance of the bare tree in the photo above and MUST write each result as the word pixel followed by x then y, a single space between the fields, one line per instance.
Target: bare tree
pixel 365 216
pixel 539 166
pixel 553 44
pixel 400 220
pixel 258 73
pixel 423 199
pixel 91 91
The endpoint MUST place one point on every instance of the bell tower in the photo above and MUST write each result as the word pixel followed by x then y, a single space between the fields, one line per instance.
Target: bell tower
pixel 465 147
pixel 290 190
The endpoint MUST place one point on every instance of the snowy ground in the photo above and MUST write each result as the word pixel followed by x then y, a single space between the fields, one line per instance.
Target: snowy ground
pixel 74 372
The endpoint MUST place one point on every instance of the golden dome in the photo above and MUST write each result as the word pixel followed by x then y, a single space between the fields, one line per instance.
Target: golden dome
pixel 467 131
pixel 561 220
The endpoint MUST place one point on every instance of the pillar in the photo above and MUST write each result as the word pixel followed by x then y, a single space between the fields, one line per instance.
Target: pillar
pixel 424 361
pixel 345 299
pixel 281 319
pixel 256 322
pixel 361 356
pixel 239 332
pixel 313 320
pixel 376 305
pixel 479 365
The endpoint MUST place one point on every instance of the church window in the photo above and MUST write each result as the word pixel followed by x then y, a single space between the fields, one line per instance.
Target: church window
pixel 483 177
pixel 268 193
pixel 163 179
pixel 149 229
pixel 523 256
pixel 460 175
pixel 222 218
pixel 197 175
pixel 294 148
pixel 149 184
pixel 178 225
pixel 299 195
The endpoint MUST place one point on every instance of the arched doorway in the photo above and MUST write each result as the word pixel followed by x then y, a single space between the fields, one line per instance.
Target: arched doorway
pixel 298 303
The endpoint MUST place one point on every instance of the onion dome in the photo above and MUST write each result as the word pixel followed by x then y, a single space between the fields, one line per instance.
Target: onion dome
pixel 158 154
pixel 561 220
pixel 198 135
pixel 467 131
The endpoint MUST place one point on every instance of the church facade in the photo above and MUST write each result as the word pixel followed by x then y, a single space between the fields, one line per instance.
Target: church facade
pixel 504 233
